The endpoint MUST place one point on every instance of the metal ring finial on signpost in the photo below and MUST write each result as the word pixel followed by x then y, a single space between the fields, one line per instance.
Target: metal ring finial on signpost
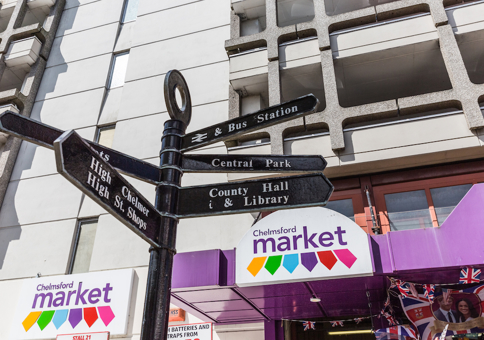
pixel 174 81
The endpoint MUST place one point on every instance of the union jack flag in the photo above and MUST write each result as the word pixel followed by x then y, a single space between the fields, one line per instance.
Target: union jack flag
pixel 387 302
pixel 358 320
pixel 309 325
pixel 395 332
pixel 470 275
pixel 391 320
pixel 403 287
pixel 420 312
pixel 337 323
pixel 429 292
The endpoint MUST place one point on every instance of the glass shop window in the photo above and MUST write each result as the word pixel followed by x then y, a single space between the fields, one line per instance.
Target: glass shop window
pixel 105 135
pixel 83 246
pixel 130 12
pixel 344 207
pixel 408 210
pixel 445 199
pixel 118 70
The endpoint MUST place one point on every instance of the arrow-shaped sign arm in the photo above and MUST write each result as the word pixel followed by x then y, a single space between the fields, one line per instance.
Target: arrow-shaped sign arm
pixel 88 171
pixel 253 163
pixel 257 195
pixel 241 125
pixel 44 135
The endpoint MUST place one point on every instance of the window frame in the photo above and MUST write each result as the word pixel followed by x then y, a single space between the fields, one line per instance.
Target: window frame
pixel 112 68
pixel 99 129
pixel 125 10
pixel 358 206
pixel 379 193
pixel 75 241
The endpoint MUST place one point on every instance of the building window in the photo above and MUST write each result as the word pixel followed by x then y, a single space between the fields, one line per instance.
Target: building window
pixel 83 246
pixel 130 11
pixel 445 199
pixel 344 207
pixel 118 70
pixel 408 210
pixel 422 203
pixel 105 135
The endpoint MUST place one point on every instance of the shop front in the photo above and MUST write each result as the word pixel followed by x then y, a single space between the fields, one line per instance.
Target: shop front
pixel 313 273
pixel 82 306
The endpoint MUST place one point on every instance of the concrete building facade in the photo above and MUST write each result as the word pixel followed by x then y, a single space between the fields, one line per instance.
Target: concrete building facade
pixel 400 123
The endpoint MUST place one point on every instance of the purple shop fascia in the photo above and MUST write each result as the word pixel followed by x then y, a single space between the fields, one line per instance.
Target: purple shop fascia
pixel 203 279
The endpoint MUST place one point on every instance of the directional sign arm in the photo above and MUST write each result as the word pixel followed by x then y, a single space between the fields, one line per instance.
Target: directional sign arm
pixel 241 125
pixel 253 163
pixel 89 171
pixel 45 135
pixel 128 165
pixel 259 195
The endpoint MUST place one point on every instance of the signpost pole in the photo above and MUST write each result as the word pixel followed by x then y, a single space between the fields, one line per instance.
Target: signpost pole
pixel 160 226
pixel 157 301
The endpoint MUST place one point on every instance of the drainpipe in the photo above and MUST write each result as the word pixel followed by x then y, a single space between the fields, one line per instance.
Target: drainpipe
pixel 376 227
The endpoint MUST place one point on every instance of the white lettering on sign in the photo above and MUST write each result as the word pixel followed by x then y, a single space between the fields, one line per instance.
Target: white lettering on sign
pixel 269 163
pixel 269 187
pixel 275 164
pixel 216 162
pixel 237 126
pixel 98 176
pixel 228 192
pixel 261 118
pixel 264 117
pixel 100 180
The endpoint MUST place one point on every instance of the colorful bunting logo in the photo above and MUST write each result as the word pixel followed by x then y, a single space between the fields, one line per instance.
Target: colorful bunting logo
pixel 290 262
pixel 75 316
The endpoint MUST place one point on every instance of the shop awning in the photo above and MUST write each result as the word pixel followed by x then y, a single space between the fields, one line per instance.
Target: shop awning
pixel 204 281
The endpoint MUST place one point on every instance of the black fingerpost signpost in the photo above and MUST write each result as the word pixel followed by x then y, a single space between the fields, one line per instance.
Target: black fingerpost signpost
pixel 175 202
pixel 93 169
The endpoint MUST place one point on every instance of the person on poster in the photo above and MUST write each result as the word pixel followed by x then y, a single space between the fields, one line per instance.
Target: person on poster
pixel 465 310
pixel 445 313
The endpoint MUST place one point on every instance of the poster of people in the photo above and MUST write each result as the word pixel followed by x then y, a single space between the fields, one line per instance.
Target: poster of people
pixel 462 310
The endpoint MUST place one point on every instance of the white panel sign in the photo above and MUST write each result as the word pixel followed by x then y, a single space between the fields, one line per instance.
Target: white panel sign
pixel 68 304
pixel 302 245
pixel 193 331
pixel 84 336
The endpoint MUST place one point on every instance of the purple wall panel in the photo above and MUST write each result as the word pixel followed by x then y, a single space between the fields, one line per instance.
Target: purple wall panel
pixel 229 272
pixel 273 330
pixel 196 269
pixel 382 256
